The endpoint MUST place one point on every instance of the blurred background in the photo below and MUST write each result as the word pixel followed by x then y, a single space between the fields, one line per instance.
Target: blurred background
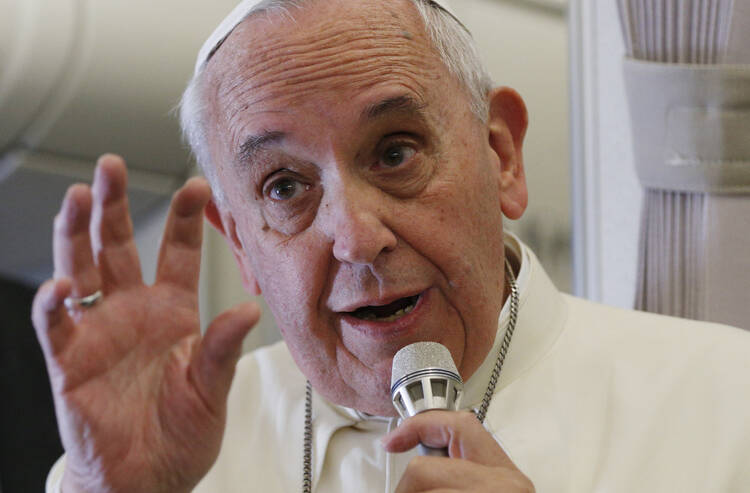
pixel 79 78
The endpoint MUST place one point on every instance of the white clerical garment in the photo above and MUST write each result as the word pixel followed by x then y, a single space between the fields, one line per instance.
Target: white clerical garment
pixel 591 398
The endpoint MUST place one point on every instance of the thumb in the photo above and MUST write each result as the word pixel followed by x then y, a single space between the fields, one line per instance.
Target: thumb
pixel 212 366
pixel 459 432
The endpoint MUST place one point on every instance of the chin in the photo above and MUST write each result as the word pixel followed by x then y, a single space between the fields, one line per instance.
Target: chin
pixel 376 402
pixel 380 408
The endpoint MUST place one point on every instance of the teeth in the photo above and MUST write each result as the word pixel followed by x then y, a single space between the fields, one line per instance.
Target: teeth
pixel 390 318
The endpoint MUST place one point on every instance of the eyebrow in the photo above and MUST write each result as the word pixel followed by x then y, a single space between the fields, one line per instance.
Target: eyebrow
pixel 256 143
pixel 404 104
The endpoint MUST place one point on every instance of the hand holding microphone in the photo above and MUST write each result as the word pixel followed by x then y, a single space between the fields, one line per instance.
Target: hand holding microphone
pixel 424 378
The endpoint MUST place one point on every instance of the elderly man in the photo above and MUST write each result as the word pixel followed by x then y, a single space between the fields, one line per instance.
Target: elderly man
pixel 361 166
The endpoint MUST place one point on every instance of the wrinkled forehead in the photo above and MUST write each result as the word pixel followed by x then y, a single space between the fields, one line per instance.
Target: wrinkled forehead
pixel 277 61
pixel 246 7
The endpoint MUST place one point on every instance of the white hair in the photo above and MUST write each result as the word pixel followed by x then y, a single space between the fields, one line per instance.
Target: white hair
pixel 451 40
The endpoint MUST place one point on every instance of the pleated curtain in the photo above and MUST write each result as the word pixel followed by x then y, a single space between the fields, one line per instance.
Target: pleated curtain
pixel 693 155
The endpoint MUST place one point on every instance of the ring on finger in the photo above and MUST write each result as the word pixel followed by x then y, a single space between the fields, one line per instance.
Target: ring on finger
pixel 72 303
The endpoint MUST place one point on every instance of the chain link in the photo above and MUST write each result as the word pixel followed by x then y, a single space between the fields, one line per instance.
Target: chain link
pixel 481 413
pixel 307 446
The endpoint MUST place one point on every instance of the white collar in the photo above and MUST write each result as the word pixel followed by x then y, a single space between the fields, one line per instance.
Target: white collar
pixel 541 316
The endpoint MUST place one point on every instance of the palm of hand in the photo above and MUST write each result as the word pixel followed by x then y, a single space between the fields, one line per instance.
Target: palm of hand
pixel 133 378
pixel 140 395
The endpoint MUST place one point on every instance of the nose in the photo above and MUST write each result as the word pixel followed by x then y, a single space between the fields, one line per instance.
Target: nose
pixel 357 223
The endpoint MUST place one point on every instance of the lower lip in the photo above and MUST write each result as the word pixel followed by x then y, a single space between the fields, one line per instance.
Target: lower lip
pixel 394 328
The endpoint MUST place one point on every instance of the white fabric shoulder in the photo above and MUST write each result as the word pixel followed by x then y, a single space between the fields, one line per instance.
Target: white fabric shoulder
pixel 54 478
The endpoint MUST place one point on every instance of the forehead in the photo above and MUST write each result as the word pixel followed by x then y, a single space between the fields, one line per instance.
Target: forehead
pixel 333 49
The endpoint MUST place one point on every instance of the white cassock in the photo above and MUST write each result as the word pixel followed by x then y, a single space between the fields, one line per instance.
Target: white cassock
pixel 591 398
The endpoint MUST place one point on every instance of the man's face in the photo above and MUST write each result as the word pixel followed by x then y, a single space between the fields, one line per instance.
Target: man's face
pixel 362 194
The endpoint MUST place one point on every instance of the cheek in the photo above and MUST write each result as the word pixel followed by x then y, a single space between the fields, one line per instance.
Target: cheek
pixel 462 232
pixel 292 275
pixel 464 211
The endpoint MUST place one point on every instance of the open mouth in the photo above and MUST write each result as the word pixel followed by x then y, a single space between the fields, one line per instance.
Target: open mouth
pixel 387 313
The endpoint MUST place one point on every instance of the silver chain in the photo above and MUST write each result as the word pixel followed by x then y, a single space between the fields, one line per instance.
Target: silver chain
pixel 481 413
pixel 307 447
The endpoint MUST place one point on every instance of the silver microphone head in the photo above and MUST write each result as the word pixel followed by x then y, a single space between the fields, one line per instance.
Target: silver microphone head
pixel 424 377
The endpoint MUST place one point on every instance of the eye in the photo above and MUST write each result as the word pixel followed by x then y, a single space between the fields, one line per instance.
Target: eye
pixel 285 189
pixel 396 155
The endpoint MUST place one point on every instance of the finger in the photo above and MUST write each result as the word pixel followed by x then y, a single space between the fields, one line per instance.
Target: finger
pixel 111 226
pixel 180 252
pixel 212 367
pixel 440 474
pixel 52 323
pixel 71 242
pixel 459 432
pixel 435 473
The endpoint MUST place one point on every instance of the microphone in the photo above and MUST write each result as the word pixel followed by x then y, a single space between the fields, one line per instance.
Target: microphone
pixel 424 377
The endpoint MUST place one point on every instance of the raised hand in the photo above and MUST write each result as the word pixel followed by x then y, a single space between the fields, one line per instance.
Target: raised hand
pixel 140 396
pixel 483 465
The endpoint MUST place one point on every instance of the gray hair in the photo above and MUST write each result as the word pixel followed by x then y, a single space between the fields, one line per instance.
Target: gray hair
pixel 451 40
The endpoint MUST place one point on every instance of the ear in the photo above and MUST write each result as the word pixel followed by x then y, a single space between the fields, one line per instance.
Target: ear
pixel 224 223
pixel 507 123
